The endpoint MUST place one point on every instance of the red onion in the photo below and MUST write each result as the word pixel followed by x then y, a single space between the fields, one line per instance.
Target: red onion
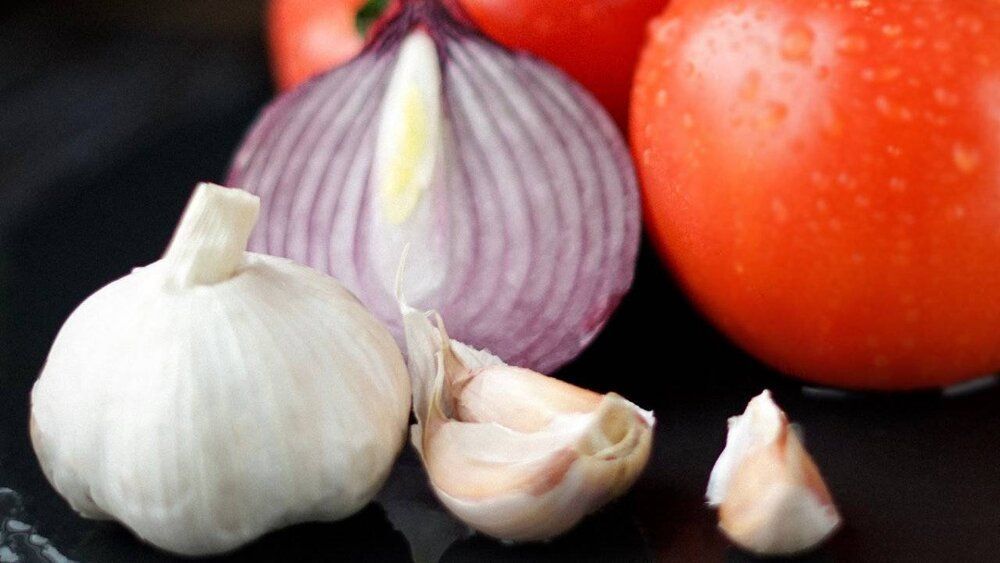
pixel 511 184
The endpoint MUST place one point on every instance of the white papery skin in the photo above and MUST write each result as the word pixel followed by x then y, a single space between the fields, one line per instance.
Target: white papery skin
pixel 202 414
pixel 771 497
pixel 512 453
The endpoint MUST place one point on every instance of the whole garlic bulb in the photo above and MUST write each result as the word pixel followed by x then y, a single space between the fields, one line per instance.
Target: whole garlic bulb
pixel 218 394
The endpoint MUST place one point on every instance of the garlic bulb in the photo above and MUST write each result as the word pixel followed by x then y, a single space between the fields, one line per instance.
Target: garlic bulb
pixel 771 497
pixel 512 453
pixel 217 394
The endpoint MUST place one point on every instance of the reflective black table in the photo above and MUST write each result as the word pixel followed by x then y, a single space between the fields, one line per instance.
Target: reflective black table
pixel 108 116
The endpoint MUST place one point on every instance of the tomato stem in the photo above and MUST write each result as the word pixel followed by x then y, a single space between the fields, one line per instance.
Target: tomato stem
pixel 369 13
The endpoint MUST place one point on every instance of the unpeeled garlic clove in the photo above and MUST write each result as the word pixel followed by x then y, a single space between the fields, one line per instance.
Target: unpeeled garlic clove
pixel 771 497
pixel 512 453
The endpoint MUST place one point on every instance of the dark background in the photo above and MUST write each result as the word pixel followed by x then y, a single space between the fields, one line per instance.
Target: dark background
pixel 110 114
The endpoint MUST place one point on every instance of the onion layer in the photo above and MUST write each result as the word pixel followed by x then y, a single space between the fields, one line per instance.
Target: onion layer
pixel 510 183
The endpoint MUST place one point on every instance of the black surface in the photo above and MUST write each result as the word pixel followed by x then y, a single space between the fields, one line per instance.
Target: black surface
pixel 108 118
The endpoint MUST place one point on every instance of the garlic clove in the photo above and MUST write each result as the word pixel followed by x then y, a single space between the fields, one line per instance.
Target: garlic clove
pixel 771 497
pixel 759 425
pixel 512 453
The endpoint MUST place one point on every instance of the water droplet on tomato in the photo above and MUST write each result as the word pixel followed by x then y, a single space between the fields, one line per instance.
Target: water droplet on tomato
pixel 891 110
pixel 892 30
pixel 830 121
pixel 946 97
pixel 661 98
pixel 852 44
pixel 889 73
pixel 819 179
pixel 750 86
pixel 935 119
pixel 970 24
pixel 884 74
pixel 664 29
pixel 779 210
pixel 847 181
pixel 687 120
pixel 773 114
pixel 797 42
pixel 966 158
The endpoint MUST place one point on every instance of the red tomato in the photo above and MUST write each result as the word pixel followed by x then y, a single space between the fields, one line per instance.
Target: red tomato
pixel 595 41
pixel 824 179
pixel 308 37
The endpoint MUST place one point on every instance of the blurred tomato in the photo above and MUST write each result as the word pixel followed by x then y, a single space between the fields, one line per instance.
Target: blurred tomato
pixel 824 179
pixel 595 41
pixel 310 36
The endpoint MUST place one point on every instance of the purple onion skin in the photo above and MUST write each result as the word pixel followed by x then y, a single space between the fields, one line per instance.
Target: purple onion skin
pixel 534 209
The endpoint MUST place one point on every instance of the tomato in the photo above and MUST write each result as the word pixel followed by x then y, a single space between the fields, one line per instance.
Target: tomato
pixel 307 37
pixel 824 180
pixel 595 41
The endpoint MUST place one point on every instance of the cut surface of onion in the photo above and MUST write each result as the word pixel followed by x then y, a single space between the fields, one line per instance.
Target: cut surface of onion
pixel 511 185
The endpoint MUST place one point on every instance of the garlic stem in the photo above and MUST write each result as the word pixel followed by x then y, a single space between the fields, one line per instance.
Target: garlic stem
pixel 210 240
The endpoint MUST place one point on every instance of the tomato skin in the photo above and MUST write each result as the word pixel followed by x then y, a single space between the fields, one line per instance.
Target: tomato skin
pixel 824 180
pixel 308 37
pixel 597 42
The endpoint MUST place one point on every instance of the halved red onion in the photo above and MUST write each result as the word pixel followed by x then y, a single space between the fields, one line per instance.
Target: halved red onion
pixel 510 183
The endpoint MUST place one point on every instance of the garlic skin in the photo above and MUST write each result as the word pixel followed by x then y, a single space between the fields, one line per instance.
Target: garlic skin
pixel 771 497
pixel 216 394
pixel 512 453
